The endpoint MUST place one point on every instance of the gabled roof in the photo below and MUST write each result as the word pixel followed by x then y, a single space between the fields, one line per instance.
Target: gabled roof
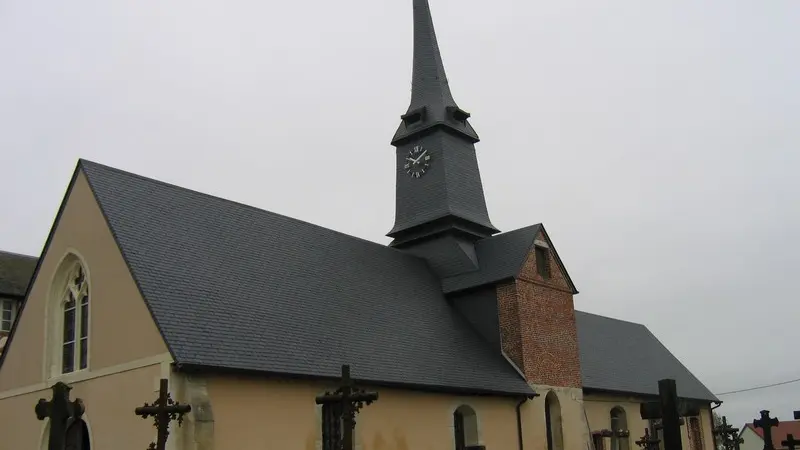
pixel 235 287
pixel 779 433
pixel 620 356
pixel 501 257
pixel 15 273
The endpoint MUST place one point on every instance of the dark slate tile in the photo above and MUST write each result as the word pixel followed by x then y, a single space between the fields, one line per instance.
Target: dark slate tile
pixel 236 287
pixel 623 356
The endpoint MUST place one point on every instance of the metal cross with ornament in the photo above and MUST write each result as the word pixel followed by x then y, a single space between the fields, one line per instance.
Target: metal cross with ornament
pixel 163 411
pixel 345 402
pixel 648 442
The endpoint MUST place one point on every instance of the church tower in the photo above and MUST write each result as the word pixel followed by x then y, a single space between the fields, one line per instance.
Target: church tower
pixel 440 209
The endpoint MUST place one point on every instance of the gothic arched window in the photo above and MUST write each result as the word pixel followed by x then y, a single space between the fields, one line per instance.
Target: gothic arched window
pixel 465 428
pixel 75 321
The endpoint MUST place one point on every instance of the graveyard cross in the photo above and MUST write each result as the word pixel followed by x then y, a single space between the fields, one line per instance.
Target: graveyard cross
pixel 347 401
pixel 648 442
pixel 728 435
pixel 790 442
pixel 163 410
pixel 766 423
pixel 669 410
pixel 59 410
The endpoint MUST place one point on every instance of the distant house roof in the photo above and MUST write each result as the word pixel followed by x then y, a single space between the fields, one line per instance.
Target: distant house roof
pixel 779 433
pixel 620 356
pixel 15 273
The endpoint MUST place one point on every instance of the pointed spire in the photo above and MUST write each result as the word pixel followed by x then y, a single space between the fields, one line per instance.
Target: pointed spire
pixel 432 103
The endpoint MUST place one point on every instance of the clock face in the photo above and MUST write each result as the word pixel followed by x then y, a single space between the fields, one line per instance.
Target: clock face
pixel 417 162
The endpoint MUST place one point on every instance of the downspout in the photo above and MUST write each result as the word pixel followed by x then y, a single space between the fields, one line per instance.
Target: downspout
pixel 713 425
pixel 519 417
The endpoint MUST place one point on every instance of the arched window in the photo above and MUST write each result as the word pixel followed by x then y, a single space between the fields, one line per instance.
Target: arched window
pixel 69 318
pixel 465 428
pixel 77 436
pixel 552 421
pixel 619 425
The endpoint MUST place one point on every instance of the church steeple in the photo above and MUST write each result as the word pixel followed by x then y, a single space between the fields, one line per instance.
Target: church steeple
pixel 441 209
pixel 432 102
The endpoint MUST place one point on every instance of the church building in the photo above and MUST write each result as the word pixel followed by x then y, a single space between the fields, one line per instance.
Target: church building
pixel 468 334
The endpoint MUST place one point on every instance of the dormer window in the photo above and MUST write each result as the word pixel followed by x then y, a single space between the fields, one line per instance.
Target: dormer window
pixel 542 261
pixel 413 117
pixel 458 114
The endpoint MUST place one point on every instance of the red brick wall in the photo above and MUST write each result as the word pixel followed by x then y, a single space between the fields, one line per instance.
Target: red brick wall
pixel 508 312
pixel 537 325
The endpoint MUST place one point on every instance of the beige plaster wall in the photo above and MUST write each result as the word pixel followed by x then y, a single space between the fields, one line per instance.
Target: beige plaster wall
pixel 121 327
pixel 598 411
pixel 752 441
pixel 574 430
pixel 110 401
pixel 270 414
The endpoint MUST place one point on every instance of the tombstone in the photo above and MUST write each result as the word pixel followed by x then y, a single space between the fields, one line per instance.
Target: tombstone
pixel 669 410
pixel 163 411
pixel 61 412
pixel 766 423
pixel 339 410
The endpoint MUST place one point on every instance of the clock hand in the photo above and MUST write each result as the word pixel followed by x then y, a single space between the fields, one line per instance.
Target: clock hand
pixel 420 156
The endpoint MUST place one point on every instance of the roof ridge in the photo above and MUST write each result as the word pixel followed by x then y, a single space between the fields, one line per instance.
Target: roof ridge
pixel 614 319
pixel 83 161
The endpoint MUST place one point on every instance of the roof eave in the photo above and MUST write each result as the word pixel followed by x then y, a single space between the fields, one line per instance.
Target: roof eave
pixel 216 370
pixel 645 395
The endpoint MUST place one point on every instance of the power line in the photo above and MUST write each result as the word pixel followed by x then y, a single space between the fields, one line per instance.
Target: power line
pixel 759 387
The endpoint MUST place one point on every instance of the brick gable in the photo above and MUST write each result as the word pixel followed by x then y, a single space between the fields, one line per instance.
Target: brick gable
pixel 537 322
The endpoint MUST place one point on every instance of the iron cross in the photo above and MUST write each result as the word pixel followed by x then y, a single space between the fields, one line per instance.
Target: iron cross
pixel 164 410
pixel 350 400
pixel 790 442
pixel 648 442
pixel 60 410
pixel 766 423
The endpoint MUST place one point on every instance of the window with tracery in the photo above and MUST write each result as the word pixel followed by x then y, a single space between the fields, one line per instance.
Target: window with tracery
pixel 75 341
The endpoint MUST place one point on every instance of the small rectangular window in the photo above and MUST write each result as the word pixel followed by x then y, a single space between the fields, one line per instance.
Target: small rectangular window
pixel 542 262
pixel 6 315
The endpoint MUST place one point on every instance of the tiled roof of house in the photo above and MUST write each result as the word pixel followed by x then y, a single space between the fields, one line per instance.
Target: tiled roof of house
pixel 779 433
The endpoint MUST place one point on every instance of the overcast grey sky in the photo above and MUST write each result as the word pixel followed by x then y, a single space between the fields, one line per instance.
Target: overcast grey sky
pixel 657 141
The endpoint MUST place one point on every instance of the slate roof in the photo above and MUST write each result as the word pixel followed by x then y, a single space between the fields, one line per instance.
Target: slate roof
pixel 620 356
pixel 231 286
pixel 15 273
